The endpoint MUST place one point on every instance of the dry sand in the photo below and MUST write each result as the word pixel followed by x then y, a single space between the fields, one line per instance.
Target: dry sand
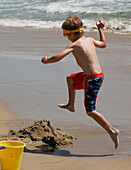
pixel 33 91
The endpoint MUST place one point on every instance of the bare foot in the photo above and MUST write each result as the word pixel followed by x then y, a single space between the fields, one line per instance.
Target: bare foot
pixel 67 106
pixel 115 137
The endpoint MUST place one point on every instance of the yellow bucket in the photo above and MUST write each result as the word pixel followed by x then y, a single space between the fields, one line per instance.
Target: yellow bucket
pixel 11 156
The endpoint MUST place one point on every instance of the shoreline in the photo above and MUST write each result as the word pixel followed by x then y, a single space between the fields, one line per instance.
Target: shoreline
pixel 109 35
pixel 93 30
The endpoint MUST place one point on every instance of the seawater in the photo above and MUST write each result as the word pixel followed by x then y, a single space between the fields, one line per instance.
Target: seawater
pixel 41 14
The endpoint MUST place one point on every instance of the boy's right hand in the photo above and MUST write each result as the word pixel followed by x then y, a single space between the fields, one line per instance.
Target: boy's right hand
pixel 100 24
pixel 44 59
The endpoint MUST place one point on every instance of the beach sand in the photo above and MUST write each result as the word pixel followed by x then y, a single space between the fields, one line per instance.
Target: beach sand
pixel 6 117
pixel 31 91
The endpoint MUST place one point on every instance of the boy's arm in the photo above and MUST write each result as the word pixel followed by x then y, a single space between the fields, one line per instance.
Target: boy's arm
pixel 102 42
pixel 57 57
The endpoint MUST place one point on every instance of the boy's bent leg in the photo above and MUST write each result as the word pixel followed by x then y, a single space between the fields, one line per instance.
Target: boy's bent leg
pixel 114 133
pixel 71 91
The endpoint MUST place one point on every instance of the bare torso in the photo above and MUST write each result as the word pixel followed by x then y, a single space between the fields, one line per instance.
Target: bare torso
pixel 84 52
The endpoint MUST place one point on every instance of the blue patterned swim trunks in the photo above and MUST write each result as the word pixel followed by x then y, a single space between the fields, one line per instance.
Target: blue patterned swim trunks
pixel 92 87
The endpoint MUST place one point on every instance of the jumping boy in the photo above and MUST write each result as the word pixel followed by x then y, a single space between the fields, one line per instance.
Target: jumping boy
pixel 91 78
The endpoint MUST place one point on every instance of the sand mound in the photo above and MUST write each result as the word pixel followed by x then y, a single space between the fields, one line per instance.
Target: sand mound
pixel 42 131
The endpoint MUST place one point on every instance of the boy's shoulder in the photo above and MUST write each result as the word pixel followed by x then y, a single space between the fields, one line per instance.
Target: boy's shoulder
pixel 85 39
pixel 89 38
pixel 80 41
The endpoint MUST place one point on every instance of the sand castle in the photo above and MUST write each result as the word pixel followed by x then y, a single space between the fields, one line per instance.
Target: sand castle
pixel 44 132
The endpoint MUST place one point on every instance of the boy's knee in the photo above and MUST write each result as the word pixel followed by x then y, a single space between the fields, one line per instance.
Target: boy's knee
pixel 90 113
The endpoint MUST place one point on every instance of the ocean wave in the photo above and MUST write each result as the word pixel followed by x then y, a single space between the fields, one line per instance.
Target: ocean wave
pixel 42 14
pixel 112 24
pixel 53 10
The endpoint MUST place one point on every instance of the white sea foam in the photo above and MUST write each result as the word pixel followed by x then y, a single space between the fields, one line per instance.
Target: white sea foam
pixel 111 24
pixel 14 23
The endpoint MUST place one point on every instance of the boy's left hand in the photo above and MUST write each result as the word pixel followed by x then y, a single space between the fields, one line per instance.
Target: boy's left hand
pixel 100 24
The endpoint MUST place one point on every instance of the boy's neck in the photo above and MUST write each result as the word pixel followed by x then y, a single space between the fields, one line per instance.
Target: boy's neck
pixel 77 37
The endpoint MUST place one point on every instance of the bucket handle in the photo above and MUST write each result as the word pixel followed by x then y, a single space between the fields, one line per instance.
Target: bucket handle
pixel 3 147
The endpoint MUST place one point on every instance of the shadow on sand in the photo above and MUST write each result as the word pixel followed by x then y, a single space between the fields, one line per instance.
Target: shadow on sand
pixel 62 152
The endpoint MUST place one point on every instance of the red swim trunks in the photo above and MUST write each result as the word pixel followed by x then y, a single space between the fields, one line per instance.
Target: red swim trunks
pixel 91 85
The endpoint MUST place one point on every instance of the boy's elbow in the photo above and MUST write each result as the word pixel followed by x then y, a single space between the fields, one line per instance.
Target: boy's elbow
pixel 103 45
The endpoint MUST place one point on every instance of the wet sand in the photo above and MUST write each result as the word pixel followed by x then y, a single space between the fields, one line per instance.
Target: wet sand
pixel 6 117
pixel 32 91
